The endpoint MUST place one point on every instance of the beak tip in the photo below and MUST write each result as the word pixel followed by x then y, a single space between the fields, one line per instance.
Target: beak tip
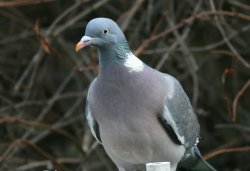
pixel 77 49
pixel 79 46
pixel 84 42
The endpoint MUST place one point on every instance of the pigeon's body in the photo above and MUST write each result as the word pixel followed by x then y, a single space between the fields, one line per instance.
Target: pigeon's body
pixel 137 113
pixel 121 141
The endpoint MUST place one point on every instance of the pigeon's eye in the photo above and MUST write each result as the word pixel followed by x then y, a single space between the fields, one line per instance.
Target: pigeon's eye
pixel 105 31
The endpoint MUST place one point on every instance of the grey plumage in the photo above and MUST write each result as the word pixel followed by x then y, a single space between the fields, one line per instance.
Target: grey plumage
pixel 138 114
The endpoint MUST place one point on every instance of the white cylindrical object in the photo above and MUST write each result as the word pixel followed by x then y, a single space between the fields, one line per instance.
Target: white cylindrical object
pixel 158 166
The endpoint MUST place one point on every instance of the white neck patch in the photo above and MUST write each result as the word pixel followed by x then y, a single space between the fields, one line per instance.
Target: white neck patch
pixel 133 63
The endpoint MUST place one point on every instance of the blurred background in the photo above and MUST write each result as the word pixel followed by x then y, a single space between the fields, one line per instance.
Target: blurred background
pixel 43 81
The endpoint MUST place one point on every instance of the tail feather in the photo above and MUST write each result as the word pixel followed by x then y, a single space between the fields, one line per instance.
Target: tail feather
pixel 195 163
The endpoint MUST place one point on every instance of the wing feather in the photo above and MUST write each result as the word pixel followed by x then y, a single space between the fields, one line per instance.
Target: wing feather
pixel 94 127
pixel 179 114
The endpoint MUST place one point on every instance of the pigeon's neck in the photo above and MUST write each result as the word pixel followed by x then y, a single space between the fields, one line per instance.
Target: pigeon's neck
pixel 122 49
pixel 118 56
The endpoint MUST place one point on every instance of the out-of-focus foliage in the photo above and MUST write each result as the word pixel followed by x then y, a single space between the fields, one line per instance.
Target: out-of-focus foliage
pixel 43 81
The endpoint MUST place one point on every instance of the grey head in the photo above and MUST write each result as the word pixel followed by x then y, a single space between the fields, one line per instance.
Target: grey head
pixel 102 33
pixel 110 41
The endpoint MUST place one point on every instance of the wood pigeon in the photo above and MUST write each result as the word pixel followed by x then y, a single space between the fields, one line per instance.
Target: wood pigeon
pixel 138 114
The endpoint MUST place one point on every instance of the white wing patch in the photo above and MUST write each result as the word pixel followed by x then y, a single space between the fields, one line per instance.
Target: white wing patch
pixel 133 63
pixel 197 141
pixel 91 123
pixel 170 83
pixel 167 115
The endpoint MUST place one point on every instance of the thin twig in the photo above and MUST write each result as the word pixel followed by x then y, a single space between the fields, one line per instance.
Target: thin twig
pixel 234 126
pixel 236 99
pixel 60 122
pixel 40 151
pixel 225 150
pixel 129 14
pixel 187 21
pixel 33 165
pixel 73 20
pixel 15 3
pixel 203 48
pixel 239 4
pixel 35 59
pixel 225 37
pixel 13 120
pixel 188 56
pixel 61 16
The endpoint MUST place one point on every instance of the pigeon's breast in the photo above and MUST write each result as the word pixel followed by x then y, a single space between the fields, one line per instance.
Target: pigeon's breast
pixel 124 95
pixel 125 107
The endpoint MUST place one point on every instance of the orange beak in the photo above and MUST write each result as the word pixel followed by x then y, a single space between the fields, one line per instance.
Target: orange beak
pixel 84 42
pixel 79 46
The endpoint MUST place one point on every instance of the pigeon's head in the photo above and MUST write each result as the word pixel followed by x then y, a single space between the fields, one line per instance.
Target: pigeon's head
pixel 101 32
